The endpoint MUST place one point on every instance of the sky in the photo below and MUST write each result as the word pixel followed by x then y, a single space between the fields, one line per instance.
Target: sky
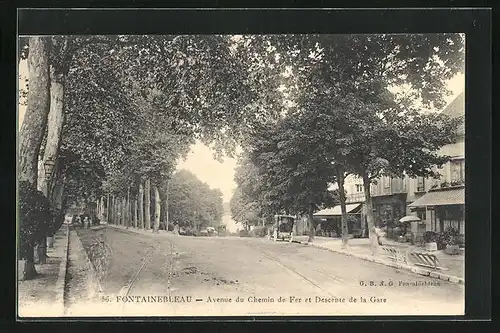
pixel 200 160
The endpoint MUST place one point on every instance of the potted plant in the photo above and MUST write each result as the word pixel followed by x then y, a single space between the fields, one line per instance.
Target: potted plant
pixel 451 245
pixel 430 238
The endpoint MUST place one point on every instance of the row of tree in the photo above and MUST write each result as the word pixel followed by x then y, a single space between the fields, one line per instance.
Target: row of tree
pixel 115 114
pixel 188 202
pixel 356 109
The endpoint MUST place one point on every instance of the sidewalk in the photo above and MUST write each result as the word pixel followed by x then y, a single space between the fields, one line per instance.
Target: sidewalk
pixel 44 295
pixel 360 248
pixel 82 283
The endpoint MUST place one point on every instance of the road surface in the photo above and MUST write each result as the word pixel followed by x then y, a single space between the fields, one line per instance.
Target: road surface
pixel 167 275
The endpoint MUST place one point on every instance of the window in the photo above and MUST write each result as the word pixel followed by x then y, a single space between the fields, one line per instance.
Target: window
pixel 359 188
pixel 420 184
pixel 399 185
pixel 387 182
pixel 457 171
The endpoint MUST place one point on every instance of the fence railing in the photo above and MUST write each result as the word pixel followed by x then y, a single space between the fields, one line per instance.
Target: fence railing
pixel 355 197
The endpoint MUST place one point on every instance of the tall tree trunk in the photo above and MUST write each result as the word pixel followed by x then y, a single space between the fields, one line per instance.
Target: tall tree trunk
pixel 107 209
pixel 157 209
pixel 115 212
pixel 310 219
pixel 166 214
pixel 34 123
pixel 58 192
pixel 124 212
pixel 112 209
pixel 166 205
pixel 127 209
pixel 135 213
pixel 98 203
pixel 109 212
pixel 37 110
pixel 55 121
pixel 369 214
pixel 343 223
pixel 120 204
pixel 141 206
pixel 147 204
pixel 29 271
pixel 101 210
pixel 57 203
pixel 119 211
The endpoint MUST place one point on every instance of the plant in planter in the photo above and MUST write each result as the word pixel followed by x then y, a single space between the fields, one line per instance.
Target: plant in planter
pixel 430 238
pixel 449 241
pixel 460 240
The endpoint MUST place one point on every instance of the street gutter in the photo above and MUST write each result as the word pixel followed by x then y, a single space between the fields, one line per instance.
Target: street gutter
pixel 61 277
pixel 413 269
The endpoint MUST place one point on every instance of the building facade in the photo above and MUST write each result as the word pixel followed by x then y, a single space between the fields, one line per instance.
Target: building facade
pixel 439 203
pixel 443 204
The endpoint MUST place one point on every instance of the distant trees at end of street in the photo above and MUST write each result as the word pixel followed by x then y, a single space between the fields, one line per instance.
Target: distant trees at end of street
pixel 192 203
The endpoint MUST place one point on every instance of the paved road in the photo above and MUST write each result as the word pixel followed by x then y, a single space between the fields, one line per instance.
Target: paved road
pixel 218 271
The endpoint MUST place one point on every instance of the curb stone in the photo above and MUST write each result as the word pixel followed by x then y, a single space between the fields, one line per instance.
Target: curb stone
pixel 417 270
pixel 61 277
pixel 95 288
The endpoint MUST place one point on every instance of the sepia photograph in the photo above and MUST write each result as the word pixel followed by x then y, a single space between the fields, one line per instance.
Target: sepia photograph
pixel 241 175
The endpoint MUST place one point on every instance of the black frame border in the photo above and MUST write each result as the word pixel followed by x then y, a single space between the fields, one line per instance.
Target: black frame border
pixel 475 22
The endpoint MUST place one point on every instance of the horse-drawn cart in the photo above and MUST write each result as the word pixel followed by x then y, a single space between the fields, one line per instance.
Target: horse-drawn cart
pixel 282 228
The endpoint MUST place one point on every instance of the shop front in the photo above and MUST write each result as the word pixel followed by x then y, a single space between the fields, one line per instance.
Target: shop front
pixel 388 209
pixel 445 209
pixel 330 221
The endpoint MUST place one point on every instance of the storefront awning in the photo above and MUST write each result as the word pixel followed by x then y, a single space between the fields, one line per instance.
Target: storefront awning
pixel 336 211
pixel 454 196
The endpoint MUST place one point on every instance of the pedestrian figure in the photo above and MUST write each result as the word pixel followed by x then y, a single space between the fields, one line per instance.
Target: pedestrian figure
pixel 87 221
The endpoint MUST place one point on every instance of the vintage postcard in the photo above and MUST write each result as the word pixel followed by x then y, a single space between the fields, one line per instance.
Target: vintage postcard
pixel 241 175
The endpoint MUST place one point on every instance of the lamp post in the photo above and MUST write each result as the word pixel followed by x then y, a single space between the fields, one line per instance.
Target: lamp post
pixel 48 167
pixel 195 221
pixel 87 169
pixel 166 204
